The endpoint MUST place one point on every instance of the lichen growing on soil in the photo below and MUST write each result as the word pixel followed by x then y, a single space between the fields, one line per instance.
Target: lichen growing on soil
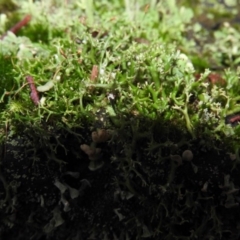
pixel 115 126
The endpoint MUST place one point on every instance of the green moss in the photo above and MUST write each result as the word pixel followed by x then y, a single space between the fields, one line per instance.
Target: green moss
pixel 7 6
pixel 131 72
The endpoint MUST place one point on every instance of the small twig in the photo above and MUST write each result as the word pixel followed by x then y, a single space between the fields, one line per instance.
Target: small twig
pixel 18 26
pixel 34 94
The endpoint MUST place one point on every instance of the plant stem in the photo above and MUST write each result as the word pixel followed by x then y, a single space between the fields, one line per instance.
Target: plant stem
pixel 18 26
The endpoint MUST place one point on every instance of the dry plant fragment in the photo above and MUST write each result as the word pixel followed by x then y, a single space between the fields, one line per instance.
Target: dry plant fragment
pixel 213 79
pixel 93 76
pixel 63 53
pixel 34 93
pixel 94 73
pixel 101 135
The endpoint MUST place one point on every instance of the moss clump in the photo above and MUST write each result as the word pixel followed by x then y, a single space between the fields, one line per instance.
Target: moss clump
pixel 126 139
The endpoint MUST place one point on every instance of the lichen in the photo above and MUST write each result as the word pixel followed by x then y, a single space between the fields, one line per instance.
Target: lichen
pixel 127 140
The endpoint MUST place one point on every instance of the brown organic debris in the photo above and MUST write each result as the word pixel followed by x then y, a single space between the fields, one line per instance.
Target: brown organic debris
pixel 94 73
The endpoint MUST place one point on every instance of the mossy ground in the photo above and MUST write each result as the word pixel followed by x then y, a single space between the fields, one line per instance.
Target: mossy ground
pixel 133 133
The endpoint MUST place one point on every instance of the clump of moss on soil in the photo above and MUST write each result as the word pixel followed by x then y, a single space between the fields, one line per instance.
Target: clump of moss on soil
pixel 114 124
